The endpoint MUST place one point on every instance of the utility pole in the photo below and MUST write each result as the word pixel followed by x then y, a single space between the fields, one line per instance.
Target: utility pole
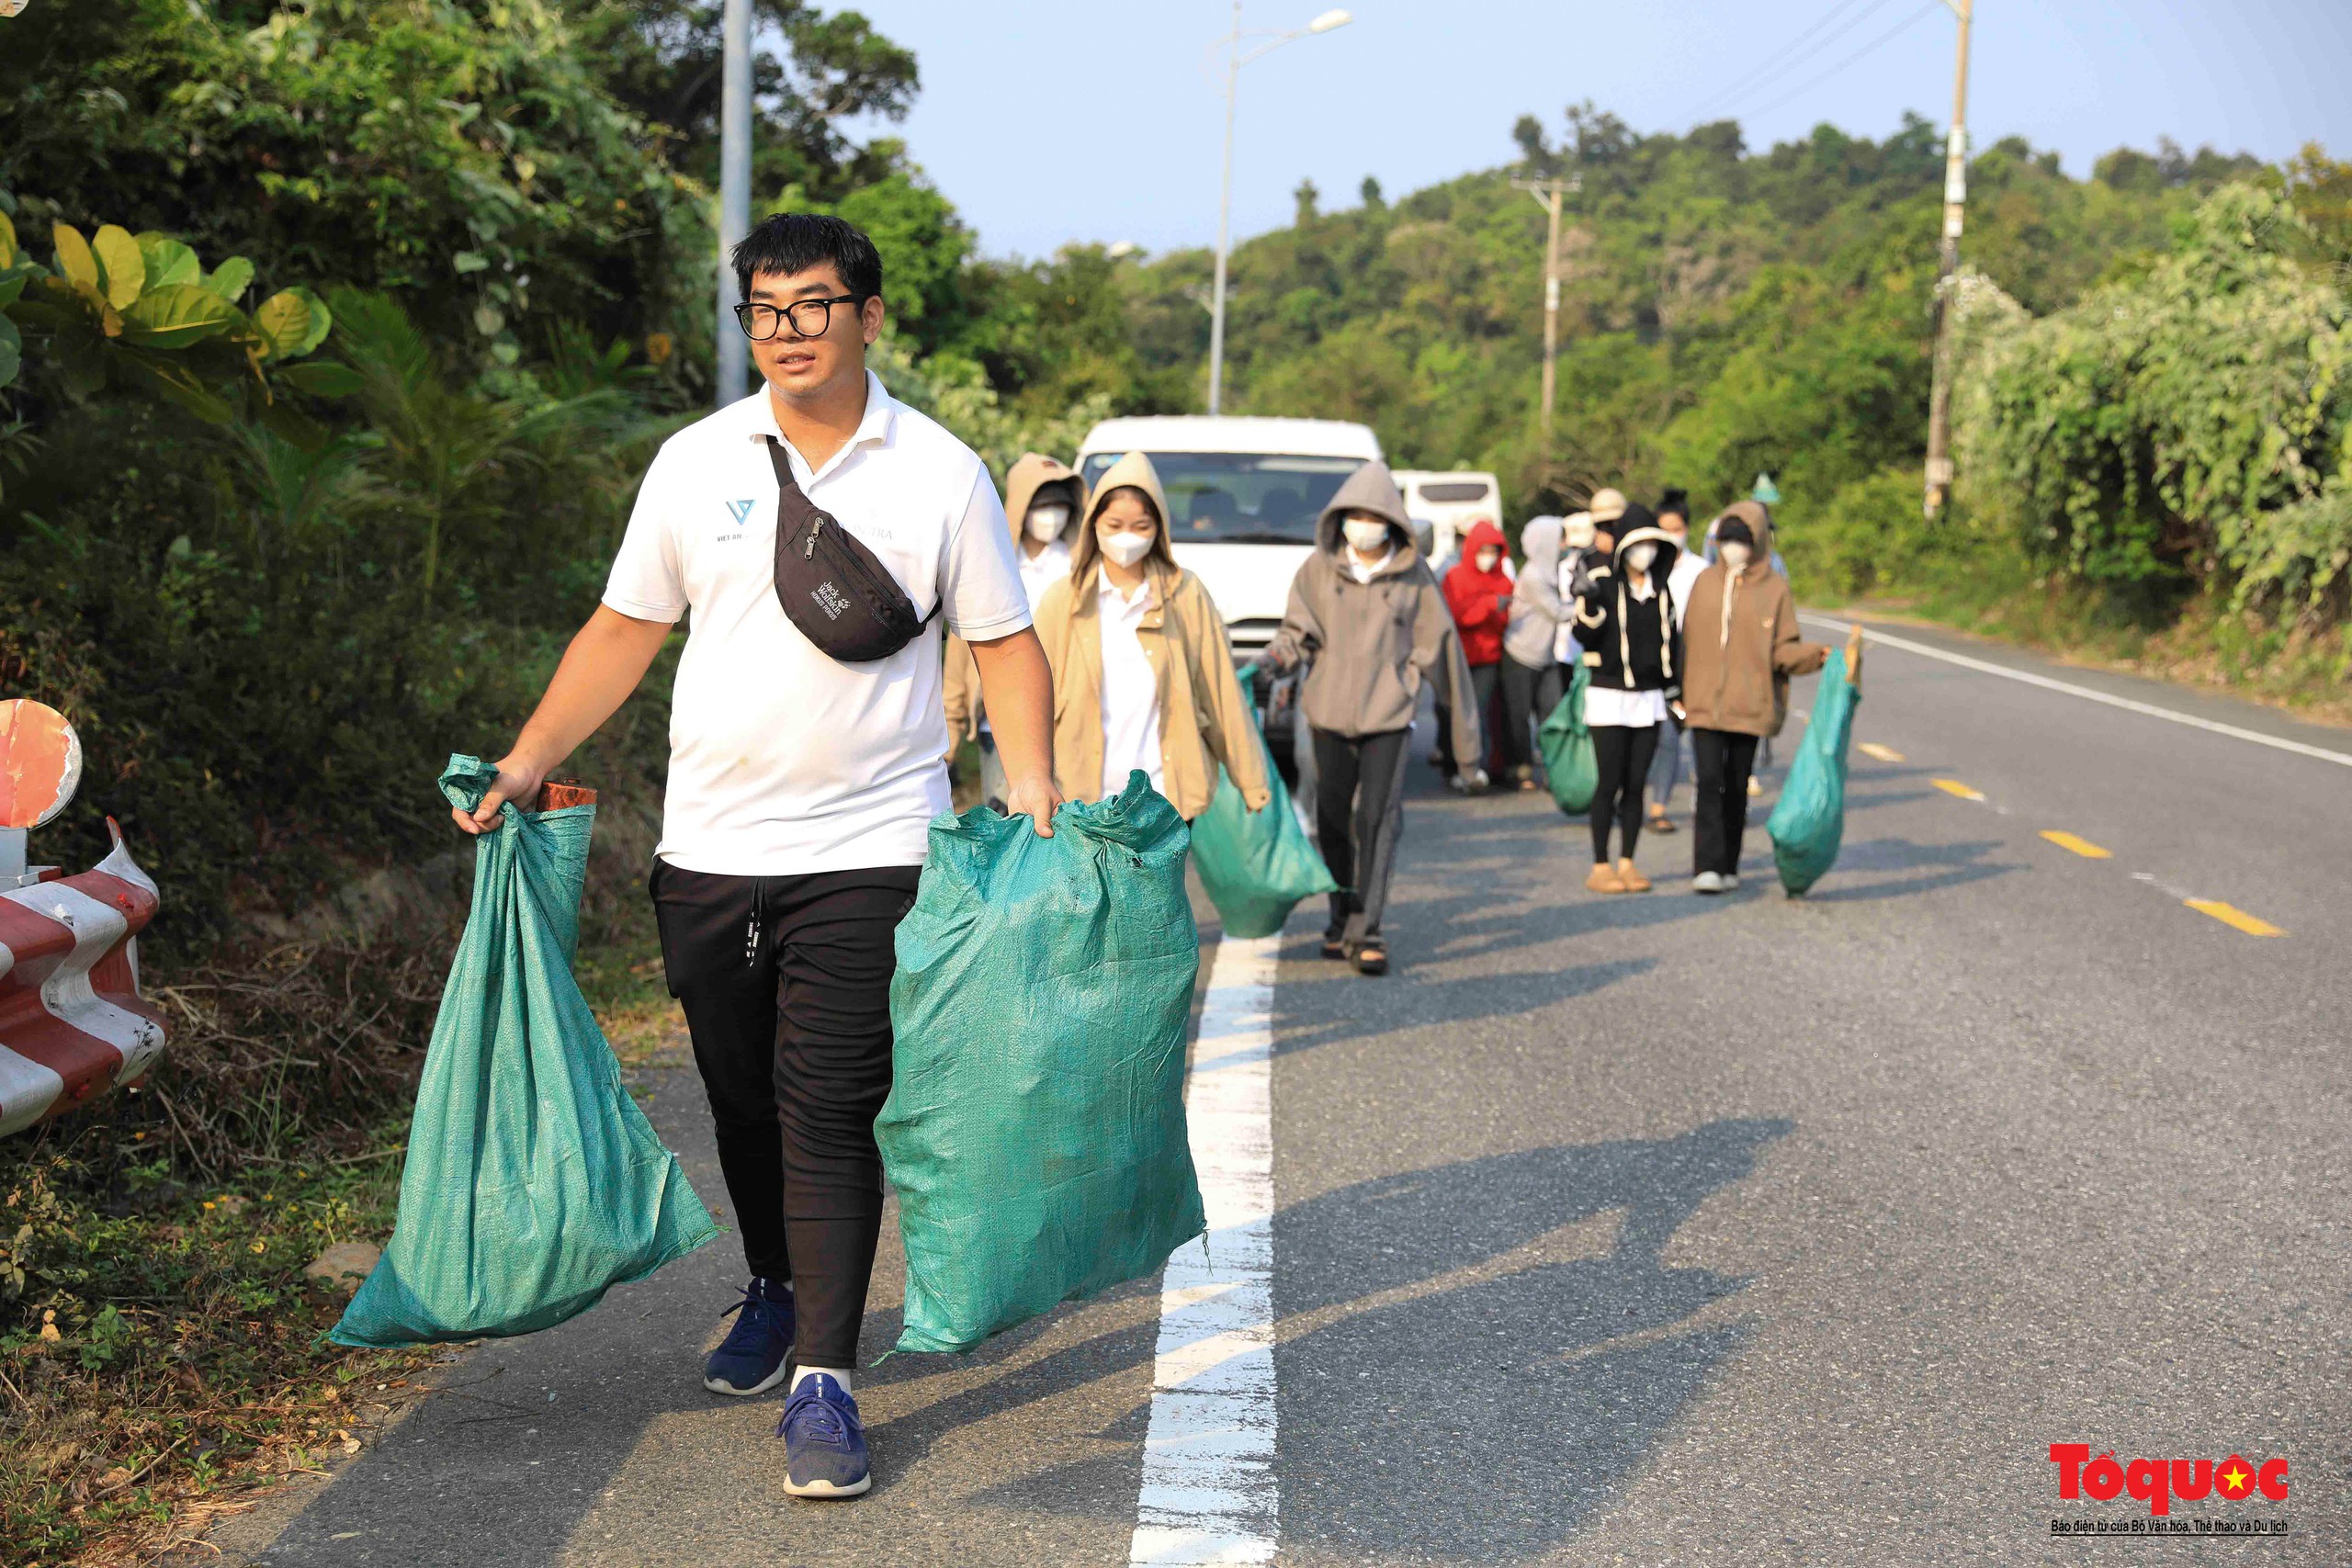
pixel 1955 202
pixel 1234 61
pixel 1547 195
pixel 734 192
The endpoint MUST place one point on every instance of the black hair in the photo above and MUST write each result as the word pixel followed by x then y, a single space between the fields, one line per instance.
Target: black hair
pixel 1676 501
pixel 795 242
pixel 1735 531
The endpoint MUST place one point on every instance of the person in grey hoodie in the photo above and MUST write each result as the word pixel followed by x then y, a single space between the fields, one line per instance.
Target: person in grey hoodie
pixel 1368 620
pixel 1531 674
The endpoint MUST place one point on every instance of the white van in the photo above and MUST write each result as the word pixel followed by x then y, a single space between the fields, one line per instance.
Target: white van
pixel 1246 493
pixel 1449 502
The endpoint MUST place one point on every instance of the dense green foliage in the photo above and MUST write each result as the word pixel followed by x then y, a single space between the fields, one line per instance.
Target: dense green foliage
pixel 2189 423
pixel 277 555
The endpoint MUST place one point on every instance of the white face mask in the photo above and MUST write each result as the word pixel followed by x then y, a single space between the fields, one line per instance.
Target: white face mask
pixel 1045 522
pixel 1735 554
pixel 1366 536
pixel 1638 557
pixel 1124 547
pixel 1489 560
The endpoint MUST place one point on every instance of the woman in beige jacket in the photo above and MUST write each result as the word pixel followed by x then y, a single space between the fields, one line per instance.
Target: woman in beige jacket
pixel 1143 677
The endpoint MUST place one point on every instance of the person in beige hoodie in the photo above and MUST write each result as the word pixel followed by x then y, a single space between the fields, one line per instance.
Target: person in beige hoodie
pixel 1740 648
pixel 1042 500
pixel 1143 675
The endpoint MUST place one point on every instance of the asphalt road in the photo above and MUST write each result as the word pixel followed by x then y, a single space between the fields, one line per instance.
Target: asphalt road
pixel 1639 1229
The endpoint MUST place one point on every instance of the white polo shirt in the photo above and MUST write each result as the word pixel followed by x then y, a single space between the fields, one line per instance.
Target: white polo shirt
pixel 784 761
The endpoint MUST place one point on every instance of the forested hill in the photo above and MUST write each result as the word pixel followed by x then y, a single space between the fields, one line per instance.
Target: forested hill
pixel 1724 311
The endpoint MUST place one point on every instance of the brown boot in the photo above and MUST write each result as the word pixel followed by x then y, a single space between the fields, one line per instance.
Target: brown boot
pixel 1631 879
pixel 1604 879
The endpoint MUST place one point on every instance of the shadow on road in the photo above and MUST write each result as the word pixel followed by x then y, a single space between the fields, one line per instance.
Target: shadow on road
pixel 1483 1420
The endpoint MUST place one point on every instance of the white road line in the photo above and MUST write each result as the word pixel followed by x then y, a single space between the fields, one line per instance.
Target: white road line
pixel 2127 704
pixel 1208 1462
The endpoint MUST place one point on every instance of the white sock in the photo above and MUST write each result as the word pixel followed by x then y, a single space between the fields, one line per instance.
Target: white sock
pixel 838 1374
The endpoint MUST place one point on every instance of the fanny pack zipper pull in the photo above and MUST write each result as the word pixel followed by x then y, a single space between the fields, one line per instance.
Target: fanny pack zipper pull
pixel 809 553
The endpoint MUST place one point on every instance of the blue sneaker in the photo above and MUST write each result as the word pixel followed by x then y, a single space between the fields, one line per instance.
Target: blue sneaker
pixel 757 1352
pixel 824 1442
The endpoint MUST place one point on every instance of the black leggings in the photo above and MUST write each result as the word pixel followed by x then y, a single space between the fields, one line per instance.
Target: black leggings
pixel 785 983
pixel 1359 812
pixel 1528 697
pixel 1623 753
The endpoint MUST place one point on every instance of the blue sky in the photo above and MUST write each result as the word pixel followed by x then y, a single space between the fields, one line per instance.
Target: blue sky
pixel 1049 121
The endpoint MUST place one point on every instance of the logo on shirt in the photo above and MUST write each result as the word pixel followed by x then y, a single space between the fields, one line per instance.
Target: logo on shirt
pixel 740 510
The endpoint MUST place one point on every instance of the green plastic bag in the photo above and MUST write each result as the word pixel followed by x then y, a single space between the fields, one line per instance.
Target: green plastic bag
pixel 1809 822
pixel 534 1184
pixel 1255 864
pixel 1570 765
pixel 1036 1129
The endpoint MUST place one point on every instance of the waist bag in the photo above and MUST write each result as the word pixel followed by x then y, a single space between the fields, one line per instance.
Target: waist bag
pixel 831 587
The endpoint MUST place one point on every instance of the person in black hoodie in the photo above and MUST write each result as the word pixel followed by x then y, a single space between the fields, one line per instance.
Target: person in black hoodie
pixel 1633 650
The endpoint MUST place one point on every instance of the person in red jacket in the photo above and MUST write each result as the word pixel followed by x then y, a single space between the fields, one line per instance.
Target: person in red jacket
pixel 1478 592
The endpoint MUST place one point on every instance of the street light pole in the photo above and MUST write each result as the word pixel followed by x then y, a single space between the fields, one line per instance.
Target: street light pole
pixel 1224 218
pixel 1234 61
pixel 1940 468
pixel 734 192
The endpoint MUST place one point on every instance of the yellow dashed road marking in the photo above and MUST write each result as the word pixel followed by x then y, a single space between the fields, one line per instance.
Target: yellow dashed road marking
pixel 1953 786
pixel 2082 847
pixel 2231 915
pixel 1873 749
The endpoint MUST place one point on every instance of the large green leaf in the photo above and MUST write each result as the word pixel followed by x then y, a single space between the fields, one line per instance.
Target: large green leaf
pixel 231 278
pixel 321 379
pixel 291 321
pixel 177 315
pixel 12 284
pixel 75 262
pixel 322 321
pixel 79 350
pixel 11 351
pixel 168 261
pixel 125 268
pixel 177 384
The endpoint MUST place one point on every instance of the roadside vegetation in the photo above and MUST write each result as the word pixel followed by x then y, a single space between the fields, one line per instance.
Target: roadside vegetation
pixel 333 339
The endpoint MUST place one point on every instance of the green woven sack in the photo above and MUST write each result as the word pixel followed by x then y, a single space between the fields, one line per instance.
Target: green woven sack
pixel 1035 1130
pixel 534 1184
pixel 1570 765
pixel 1255 864
pixel 1809 821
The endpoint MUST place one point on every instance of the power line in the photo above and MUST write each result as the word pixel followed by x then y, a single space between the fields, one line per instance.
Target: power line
pixel 1883 38
pixel 1762 70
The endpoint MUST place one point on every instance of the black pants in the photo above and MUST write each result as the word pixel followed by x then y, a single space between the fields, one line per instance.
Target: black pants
pixel 1724 759
pixel 1528 697
pixel 786 983
pixel 1359 812
pixel 1623 753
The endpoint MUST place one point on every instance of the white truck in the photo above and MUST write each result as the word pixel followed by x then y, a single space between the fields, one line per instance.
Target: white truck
pixel 1449 502
pixel 1246 493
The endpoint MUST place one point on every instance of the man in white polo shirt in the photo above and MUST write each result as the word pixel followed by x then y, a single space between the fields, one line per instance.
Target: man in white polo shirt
pixel 801 789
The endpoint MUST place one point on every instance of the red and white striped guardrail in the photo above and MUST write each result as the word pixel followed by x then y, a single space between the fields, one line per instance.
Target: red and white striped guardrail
pixel 72 1023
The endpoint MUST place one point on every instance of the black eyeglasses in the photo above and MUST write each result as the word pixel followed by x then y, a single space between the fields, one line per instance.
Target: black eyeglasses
pixel 810 318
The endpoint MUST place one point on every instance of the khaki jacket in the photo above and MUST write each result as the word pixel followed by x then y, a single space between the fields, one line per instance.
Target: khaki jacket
pixel 1032 472
pixel 1204 718
pixel 1740 648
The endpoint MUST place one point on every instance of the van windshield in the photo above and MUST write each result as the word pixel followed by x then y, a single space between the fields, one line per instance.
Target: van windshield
pixel 1239 497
